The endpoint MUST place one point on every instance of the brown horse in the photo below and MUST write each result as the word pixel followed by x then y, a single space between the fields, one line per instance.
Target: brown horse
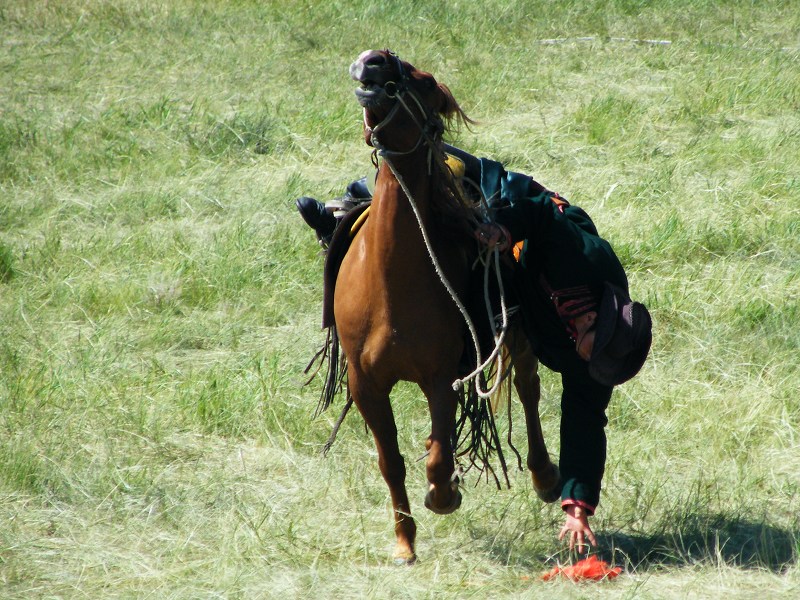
pixel 394 316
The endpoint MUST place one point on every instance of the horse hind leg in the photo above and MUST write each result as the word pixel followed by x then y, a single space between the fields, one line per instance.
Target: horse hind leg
pixel 443 495
pixel 376 409
pixel 545 475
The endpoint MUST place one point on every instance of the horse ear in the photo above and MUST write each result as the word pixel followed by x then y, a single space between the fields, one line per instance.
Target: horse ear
pixel 451 110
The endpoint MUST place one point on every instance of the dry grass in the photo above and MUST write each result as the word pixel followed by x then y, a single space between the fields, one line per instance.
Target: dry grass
pixel 159 297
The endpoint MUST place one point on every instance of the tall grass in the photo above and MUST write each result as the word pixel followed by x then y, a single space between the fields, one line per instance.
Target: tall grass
pixel 159 297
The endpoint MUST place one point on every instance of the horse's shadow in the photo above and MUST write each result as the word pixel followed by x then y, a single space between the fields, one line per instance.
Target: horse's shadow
pixel 706 539
pixel 700 539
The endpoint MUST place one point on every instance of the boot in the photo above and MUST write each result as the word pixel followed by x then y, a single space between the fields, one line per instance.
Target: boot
pixel 358 190
pixel 317 217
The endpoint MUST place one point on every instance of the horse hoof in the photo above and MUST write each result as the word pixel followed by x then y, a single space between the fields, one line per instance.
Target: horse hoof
pixel 452 507
pixel 548 489
pixel 404 559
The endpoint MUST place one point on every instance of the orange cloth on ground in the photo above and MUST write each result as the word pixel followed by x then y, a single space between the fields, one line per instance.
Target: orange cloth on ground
pixel 589 568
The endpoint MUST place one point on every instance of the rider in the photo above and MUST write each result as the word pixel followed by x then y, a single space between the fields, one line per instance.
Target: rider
pixel 577 314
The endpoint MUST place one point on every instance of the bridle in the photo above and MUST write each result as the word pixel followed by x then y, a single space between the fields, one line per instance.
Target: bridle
pixel 400 91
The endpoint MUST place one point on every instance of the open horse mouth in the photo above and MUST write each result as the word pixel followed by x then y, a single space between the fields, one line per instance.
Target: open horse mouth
pixel 373 69
pixel 370 94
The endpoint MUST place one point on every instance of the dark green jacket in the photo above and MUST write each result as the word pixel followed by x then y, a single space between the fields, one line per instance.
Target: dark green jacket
pixel 562 251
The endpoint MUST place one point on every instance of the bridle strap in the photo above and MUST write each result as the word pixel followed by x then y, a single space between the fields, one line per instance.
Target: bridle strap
pixel 401 90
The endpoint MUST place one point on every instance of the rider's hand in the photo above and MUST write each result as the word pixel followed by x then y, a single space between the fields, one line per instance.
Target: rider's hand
pixel 491 235
pixel 577 528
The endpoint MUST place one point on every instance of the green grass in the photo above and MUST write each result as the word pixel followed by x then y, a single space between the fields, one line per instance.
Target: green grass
pixel 159 296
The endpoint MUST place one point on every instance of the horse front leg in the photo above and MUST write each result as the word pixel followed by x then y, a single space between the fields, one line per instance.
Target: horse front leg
pixel 443 495
pixel 374 405
pixel 545 475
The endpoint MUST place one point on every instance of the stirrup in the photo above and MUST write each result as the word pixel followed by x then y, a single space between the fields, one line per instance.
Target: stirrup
pixel 341 206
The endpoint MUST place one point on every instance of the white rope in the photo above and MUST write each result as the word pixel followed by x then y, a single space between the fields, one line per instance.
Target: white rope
pixel 458 383
pixel 498 339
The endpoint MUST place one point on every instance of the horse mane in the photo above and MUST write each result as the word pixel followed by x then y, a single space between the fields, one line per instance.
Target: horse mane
pixel 453 114
pixel 454 213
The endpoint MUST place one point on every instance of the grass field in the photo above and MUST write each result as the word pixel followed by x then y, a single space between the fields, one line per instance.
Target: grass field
pixel 160 297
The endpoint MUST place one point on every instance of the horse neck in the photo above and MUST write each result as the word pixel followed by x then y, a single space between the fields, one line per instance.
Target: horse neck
pixel 392 212
pixel 397 261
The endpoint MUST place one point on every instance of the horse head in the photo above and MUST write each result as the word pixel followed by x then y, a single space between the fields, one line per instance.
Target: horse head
pixel 394 92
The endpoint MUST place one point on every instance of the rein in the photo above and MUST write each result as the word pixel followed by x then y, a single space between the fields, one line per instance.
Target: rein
pixel 434 123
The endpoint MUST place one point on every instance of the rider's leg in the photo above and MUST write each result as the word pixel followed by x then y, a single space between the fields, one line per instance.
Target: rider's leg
pixel 316 216
pixel 323 218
